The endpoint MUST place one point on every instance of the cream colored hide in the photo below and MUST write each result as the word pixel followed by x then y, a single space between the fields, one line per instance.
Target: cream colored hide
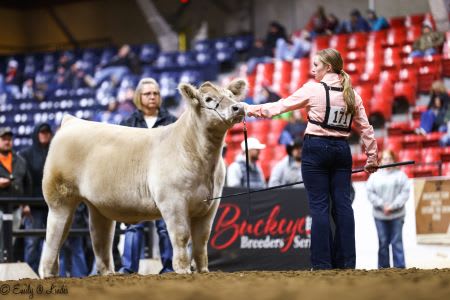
pixel 133 174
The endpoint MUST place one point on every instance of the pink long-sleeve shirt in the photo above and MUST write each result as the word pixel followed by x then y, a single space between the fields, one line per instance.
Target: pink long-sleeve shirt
pixel 312 97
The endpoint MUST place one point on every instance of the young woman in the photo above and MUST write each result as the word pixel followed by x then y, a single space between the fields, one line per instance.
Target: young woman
pixel 332 106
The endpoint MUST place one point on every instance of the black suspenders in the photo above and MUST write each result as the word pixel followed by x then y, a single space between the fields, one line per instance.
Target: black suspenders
pixel 324 123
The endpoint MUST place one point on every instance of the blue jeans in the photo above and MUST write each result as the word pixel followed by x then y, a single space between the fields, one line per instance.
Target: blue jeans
pixel 326 170
pixel 427 120
pixel 77 258
pixel 118 72
pixel 390 233
pixel 420 53
pixel 134 235
pixel 33 244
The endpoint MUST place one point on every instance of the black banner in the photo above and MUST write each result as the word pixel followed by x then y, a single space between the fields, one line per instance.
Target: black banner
pixel 271 232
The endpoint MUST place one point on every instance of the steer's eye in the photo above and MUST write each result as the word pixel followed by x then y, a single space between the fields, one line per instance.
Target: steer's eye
pixel 209 99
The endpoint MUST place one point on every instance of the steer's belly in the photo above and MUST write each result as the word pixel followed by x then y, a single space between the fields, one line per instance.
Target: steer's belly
pixel 129 211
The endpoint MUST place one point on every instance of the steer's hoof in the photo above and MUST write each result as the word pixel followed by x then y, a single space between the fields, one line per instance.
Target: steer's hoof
pixel 183 271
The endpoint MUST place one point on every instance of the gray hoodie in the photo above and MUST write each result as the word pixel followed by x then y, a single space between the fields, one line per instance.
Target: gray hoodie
pixel 388 187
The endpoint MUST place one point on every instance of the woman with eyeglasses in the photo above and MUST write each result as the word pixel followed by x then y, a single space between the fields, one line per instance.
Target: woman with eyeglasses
pixel 149 114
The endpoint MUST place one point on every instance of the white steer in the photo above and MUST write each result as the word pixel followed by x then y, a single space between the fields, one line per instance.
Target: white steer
pixel 134 174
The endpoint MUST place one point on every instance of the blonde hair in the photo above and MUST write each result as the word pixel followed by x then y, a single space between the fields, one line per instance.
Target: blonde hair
pixel 438 87
pixel 333 58
pixel 137 92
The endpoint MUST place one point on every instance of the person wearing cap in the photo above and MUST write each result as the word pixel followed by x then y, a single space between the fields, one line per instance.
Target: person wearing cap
pixel 237 171
pixel 15 178
pixel 288 170
pixel 429 43
pixel 332 106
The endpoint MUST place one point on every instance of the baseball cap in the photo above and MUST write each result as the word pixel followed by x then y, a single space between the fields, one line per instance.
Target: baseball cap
pixel 5 131
pixel 252 143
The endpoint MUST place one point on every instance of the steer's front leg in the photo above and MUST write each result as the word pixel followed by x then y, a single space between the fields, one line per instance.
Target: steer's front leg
pixel 179 231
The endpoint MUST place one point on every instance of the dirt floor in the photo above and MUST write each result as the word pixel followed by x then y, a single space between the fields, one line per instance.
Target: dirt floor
pixel 386 284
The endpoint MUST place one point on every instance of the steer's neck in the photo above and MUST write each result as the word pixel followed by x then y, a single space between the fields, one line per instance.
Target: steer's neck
pixel 200 140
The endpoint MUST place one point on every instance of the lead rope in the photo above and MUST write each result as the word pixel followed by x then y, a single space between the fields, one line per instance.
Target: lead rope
pixel 247 168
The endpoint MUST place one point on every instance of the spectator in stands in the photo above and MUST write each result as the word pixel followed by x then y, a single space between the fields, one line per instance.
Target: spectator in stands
pixel 28 89
pixel 237 171
pixel 13 79
pixel 110 115
pixel 298 46
pixel 388 191
pixel 276 31
pixel 333 24
pixel 294 130
pixel 376 23
pixel 429 43
pixel 36 216
pixel 318 22
pixel 433 117
pixel 438 89
pixel 288 170
pixel 356 24
pixel 149 114
pixel 258 54
pixel 123 63
pixel 15 178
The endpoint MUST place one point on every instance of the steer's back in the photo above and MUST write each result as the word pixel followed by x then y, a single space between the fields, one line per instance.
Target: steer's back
pixel 98 162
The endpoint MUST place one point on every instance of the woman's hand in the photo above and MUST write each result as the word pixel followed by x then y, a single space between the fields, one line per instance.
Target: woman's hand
pixel 371 167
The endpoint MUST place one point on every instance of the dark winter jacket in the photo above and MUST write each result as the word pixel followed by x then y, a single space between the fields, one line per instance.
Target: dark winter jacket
pixel 35 156
pixel 137 119
pixel 20 178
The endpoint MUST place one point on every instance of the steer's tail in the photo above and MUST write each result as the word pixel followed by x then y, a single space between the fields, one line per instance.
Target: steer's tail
pixel 67 118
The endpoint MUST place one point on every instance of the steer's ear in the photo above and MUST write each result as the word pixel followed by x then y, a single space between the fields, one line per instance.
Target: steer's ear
pixel 189 92
pixel 238 87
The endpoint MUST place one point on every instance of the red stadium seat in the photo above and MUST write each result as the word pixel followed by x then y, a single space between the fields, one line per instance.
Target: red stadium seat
pixel 417 111
pixel 406 91
pixel 394 143
pixel 339 42
pixel 412 141
pixel 432 139
pixel 359 160
pixel 445 169
pixel 445 154
pixel 361 176
pixel 409 154
pixel 426 171
pixel 414 20
pixel 431 155
pixel 395 37
pixel 357 41
pixel 397 22
pixel 321 42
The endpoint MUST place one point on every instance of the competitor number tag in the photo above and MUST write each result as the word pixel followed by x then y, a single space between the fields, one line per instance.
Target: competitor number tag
pixel 338 117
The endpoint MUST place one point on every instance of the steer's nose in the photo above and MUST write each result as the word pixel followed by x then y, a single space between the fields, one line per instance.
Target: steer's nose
pixel 235 107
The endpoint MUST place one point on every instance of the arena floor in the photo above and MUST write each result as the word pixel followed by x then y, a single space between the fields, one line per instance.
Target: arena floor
pixel 386 284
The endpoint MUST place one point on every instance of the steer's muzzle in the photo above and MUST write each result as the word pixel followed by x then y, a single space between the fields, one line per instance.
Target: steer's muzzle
pixel 238 112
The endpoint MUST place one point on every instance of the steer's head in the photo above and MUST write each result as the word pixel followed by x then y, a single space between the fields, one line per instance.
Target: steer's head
pixel 219 107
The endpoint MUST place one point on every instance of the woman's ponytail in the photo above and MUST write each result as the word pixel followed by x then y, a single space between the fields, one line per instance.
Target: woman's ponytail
pixel 349 94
